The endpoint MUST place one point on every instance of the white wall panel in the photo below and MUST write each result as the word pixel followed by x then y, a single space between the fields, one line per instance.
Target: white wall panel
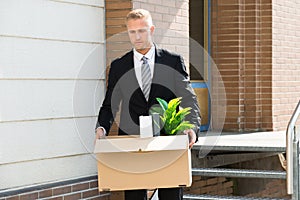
pixel 99 3
pixel 23 141
pixel 42 171
pixel 29 58
pixel 52 20
pixel 39 99
pixel 52 55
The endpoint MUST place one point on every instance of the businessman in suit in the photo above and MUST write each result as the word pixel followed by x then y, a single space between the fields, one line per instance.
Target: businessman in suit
pixel 128 92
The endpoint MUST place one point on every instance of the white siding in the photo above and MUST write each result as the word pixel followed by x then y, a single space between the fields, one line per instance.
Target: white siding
pixel 40 59
pixel 51 20
pixel 44 99
pixel 52 82
pixel 41 171
pixel 44 139
pixel 99 3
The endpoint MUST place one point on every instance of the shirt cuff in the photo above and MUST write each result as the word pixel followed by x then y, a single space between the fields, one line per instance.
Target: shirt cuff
pixel 104 131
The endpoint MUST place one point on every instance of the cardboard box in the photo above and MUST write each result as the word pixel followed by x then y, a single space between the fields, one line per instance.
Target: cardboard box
pixel 126 163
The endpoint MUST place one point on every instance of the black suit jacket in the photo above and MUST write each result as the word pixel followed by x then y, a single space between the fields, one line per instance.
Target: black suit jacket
pixel 170 80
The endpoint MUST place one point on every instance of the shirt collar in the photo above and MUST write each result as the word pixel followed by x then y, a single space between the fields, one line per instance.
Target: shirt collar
pixel 148 55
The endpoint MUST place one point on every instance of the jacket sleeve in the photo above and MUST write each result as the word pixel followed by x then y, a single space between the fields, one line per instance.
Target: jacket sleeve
pixel 111 101
pixel 185 90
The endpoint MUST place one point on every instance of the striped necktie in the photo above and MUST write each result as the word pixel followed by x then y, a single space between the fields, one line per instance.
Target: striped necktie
pixel 146 77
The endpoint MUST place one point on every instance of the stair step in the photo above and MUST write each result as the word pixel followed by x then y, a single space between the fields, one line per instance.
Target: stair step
pixel 216 197
pixel 269 141
pixel 239 173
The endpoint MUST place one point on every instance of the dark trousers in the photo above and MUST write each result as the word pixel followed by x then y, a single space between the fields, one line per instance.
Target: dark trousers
pixel 163 194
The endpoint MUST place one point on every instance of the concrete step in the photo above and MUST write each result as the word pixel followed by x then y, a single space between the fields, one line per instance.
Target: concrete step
pixel 239 142
pixel 216 197
pixel 239 173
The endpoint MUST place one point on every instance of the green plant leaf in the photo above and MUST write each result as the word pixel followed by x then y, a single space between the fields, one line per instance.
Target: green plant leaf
pixel 156 109
pixel 173 120
pixel 182 126
pixel 182 113
pixel 174 103
pixel 163 104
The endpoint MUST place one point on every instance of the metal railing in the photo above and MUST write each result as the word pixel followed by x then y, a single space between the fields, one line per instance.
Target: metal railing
pixel 292 155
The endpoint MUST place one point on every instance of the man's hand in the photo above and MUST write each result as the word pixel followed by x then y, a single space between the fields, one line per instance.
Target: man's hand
pixel 192 137
pixel 99 134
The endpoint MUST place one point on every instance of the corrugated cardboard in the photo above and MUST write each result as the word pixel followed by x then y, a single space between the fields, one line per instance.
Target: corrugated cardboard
pixel 126 163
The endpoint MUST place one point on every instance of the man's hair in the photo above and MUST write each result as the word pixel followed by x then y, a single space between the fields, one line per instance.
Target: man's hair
pixel 140 14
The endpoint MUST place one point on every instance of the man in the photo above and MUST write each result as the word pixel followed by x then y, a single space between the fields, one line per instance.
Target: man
pixel 136 80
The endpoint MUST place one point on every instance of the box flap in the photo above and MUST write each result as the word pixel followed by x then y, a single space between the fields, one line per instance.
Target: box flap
pixel 136 144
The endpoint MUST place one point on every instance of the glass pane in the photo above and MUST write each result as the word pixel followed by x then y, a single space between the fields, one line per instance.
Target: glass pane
pixel 196 18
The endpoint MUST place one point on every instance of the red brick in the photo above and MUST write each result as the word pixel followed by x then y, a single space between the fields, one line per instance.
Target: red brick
pixel 90 193
pixel 81 186
pixel 29 196
pixel 45 193
pixel 72 196
pixel 56 198
pixel 12 198
pixel 94 184
pixel 61 190
pixel 120 4
pixel 212 181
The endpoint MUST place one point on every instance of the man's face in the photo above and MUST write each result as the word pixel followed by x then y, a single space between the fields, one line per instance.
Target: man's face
pixel 140 34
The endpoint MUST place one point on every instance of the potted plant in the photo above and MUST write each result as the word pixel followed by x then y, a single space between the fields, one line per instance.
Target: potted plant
pixel 172 118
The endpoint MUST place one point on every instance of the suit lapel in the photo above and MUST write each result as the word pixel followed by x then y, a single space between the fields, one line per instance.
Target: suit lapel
pixel 158 63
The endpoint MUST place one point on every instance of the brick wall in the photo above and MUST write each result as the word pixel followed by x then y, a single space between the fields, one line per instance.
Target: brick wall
pixel 242 51
pixel 77 189
pixel 286 60
pixel 255 45
pixel 274 189
pixel 212 186
pixel 117 41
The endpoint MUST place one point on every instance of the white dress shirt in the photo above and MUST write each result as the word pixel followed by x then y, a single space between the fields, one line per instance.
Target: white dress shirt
pixel 137 58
